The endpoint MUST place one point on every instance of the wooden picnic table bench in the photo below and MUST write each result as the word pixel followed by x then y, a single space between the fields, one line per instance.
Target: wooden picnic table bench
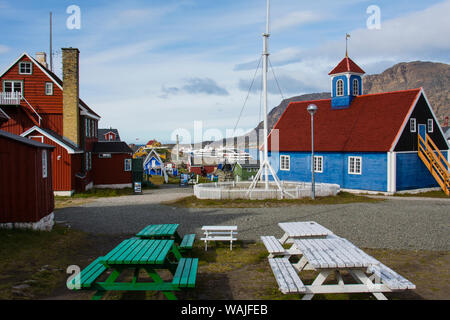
pixel 167 231
pixel 140 254
pixel 219 233
pixel 334 255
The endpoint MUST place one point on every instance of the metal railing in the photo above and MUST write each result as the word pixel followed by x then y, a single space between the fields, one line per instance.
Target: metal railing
pixel 10 98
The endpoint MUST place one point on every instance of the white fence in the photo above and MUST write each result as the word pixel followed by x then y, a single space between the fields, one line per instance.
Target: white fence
pixel 238 190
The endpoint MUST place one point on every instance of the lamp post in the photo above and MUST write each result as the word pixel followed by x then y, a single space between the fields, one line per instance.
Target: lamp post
pixel 312 109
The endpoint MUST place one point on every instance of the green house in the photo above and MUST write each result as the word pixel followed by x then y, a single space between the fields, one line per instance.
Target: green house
pixel 245 171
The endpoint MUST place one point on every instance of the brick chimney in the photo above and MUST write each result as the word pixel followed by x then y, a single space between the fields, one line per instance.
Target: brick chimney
pixel 41 57
pixel 71 91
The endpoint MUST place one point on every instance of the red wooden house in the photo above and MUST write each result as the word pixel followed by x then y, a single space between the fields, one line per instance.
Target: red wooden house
pixel 26 187
pixel 42 107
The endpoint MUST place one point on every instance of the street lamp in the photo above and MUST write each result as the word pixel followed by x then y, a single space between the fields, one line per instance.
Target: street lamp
pixel 312 109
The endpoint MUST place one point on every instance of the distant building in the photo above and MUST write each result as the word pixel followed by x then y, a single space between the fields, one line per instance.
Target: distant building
pixel 26 184
pixel 246 171
pixel 108 135
pixel 362 142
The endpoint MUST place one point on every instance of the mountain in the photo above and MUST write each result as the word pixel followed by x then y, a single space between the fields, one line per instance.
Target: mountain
pixel 433 77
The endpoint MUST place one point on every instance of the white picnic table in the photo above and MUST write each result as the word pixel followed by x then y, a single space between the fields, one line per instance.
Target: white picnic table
pixel 299 230
pixel 328 255
pixel 219 233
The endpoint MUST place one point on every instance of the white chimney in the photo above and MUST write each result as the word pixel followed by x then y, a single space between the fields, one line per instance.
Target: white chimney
pixel 41 57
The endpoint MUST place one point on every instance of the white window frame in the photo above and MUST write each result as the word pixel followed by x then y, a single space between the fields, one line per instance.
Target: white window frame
pixel 430 126
pixel 44 164
pixel 413 125
pixel 49 88
pixel 318 160
pixel 13 85
pixel 355 87
pixel 340 88
pixel 88 161
pixel 352 168
pixel 104 155
pixel 23 64
pixel 285 163
pixel 127 165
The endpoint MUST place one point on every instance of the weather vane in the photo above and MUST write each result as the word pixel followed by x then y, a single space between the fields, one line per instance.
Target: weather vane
pixel 347 36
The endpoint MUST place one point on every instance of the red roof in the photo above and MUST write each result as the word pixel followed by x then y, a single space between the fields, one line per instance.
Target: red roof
pixel 347 65
pixel 371 124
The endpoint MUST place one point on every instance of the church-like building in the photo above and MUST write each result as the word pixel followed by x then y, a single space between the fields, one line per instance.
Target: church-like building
pixel 386 142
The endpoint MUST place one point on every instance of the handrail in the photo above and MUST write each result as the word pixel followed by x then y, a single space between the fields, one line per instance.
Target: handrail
pixel 39 117
pixel 441 156
pixel 433 162
pixel 10 98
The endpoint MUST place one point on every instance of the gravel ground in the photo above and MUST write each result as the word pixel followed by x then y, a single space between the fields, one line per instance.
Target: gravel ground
pixel 411 224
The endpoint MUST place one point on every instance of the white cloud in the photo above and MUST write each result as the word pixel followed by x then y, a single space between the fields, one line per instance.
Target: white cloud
pixel 296 18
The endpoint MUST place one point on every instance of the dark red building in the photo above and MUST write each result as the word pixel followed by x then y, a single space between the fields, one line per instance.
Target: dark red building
pixel 40 106
pixel 26 187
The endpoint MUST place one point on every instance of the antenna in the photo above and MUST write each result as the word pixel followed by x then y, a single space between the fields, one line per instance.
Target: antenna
pixel 51 44
pixel 265 164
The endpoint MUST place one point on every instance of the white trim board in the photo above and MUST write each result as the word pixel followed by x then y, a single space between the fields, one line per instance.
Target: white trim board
pixel 70 150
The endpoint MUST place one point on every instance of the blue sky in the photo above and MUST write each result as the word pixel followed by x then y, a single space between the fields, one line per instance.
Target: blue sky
pixel 151 67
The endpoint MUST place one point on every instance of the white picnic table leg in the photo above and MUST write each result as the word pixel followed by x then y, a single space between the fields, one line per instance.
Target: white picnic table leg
pixel 320 279
pixel 362 278
pixel 300 265
pixel 283 238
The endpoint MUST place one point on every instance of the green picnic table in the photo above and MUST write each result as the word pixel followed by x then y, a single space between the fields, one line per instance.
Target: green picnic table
pixel 139 254
pixel 167 231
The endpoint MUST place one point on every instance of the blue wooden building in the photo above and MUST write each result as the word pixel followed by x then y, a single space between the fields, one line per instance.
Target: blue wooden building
pixel 362 142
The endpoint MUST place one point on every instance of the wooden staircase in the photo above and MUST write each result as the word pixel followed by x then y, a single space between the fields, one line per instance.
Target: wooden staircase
pixel 435 162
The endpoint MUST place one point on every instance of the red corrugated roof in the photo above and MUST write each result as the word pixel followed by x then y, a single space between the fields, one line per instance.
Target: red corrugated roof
pixel 370 124
pixel 347 65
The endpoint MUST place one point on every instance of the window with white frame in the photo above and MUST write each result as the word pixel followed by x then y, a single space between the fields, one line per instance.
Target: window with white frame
pixel 88 161
pixel 412 125
pixel 25 68
pixel 44 164
pixel 355 87
pixel 285 163
pixel 340 88
pixel 318 164
pixel 86 132
pixel 355 165
pixel 430 126
pixel 12 86
pixel 127 164
pixel 49 88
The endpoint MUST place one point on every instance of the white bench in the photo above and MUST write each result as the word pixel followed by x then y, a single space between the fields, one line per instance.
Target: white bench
pixel 219 233
pixel 286 276
pixel 390 278
pixel 273 246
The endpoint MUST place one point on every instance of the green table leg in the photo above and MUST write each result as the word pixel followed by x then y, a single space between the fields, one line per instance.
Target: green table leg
pixel 112 277
pixel 152 273
pixel 98 295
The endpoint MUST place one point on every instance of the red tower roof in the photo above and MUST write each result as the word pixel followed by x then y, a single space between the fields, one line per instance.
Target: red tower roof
pixel 347 65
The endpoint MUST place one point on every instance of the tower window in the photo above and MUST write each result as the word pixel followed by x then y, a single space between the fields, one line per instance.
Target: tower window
pixel 340 88
pixel 355 87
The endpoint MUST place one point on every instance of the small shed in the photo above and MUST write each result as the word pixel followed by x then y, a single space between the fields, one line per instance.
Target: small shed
pixel 26 185
pixel 112 163
pixel 245 171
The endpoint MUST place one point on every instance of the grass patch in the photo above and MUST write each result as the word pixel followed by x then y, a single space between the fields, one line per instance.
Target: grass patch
pixel 429 194
pixel 36 261
pixel 159 180
pixel 341 198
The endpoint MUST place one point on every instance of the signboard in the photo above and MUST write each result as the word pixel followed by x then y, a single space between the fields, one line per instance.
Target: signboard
pixel 138 187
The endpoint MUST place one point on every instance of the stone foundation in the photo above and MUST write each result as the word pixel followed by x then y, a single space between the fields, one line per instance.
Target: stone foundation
pixel 45 224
